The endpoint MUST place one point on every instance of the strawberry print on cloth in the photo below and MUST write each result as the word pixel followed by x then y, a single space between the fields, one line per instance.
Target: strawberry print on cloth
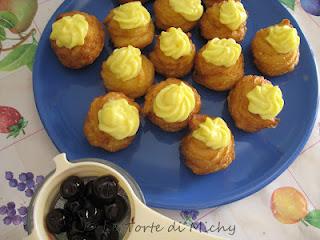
pixel 11 122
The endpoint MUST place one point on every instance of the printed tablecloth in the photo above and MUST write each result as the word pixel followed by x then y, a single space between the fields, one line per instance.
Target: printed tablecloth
pixel 26 151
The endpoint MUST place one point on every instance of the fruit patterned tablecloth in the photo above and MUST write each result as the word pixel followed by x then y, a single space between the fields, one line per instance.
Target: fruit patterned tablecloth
pixel 288 208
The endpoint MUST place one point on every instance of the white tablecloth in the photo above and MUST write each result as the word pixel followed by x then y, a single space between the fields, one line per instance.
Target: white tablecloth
pixel 247 219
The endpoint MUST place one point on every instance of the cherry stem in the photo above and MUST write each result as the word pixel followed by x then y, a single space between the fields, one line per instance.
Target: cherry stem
pixel 22 40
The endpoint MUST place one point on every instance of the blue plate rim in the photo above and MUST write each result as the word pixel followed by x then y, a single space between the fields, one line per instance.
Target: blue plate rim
pixel 261 183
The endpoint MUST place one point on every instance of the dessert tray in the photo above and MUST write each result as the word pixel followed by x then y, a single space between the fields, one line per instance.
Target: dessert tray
pixel 63 97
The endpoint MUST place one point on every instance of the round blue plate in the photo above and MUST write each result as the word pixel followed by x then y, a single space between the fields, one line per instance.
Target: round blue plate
pixel 63 97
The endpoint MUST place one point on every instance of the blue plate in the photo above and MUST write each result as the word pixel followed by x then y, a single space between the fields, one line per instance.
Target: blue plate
pixel 63 97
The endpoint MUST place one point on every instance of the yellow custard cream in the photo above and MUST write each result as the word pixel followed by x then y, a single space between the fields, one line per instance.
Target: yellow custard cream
pixel 232 14
pixel 174 103
pixel 70 31
pixel 131 15
pixel 265 100
pixel 125 63
pixel 214 133
pixel 191 10
pixel 222 52
pixel 283 39
pixel 175 43
pixel 119 119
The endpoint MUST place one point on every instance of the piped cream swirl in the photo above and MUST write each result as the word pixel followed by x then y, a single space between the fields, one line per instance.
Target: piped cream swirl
pixel 174 103
pixel 119 119
pixel 265 100
pixel 125 63
pixel 214 133
pixel 222 52
pixel 232 14
pixel 283 39
pixel 191 10
pixel 70 31
pixel 175 43
pixel 131 15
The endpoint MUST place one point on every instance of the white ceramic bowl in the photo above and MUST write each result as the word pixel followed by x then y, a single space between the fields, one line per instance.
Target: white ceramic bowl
pixel 141 215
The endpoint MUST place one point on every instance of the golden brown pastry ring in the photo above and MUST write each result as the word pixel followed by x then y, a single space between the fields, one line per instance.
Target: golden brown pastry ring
pixel 200 158
pixel 148 106
pixel 139 37
pixel 99 138
pixel 170 67
pixel 133 88
pixel 268 60
pixel 218 78
pixel 81 56
pixel 166 17
pixel 211 27
pixel 238 106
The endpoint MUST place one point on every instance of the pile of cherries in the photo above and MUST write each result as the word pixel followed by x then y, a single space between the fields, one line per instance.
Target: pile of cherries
pixel 91 211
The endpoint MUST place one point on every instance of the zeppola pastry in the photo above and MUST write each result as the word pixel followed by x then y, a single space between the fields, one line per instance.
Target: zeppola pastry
pixel 227 19
pixel 171 103
pixel 130 24
pixel 128 71
pixel 276 49
pixel 254 104
pixel 77 39
pixel 112 122
pixel 219 65
pixel 184 14
pixel 209 147
pixel 173 54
